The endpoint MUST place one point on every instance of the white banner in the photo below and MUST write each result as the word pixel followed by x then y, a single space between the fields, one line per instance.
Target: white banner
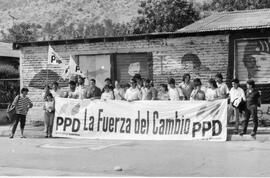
pixel 141 120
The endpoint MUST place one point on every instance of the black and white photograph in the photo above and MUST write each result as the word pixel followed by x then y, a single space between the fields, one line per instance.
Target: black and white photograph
pixel 125 88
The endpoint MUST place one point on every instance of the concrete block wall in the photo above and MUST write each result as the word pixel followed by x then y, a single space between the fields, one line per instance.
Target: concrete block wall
pixel 212 52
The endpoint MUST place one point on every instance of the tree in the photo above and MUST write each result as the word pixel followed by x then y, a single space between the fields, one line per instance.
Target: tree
pixel 163 16
pixel 232 5
pixel 22 32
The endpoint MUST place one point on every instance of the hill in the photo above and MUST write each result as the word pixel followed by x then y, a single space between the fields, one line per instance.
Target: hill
pixel 70 11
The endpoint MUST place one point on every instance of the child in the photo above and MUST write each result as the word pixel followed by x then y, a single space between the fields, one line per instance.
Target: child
pixel 49 107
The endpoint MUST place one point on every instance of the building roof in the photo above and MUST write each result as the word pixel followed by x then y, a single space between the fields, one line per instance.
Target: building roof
pixel 231 21
pixel 7 51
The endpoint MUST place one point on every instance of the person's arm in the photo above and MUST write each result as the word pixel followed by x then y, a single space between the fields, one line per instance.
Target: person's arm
pixel 15 101
pixel 112 95
pixel 53 109
pixel 180 93
pixel 243 95
pixel 30 103
pixel 139 95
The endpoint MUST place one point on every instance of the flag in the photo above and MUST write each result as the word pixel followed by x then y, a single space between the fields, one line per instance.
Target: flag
pixel 74 68
pixel 53 57
pixel 65 74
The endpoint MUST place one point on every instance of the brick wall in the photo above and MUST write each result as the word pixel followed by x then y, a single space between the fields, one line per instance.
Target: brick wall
pixel 212 52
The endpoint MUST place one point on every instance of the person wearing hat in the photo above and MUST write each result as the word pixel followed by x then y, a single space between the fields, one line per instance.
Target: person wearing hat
pixel 93 92
pixel 72 93
pixel 81 89
pixel 133 93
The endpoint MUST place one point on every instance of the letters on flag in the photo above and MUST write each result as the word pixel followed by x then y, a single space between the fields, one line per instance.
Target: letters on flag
pixel 53 57
pixel 141 120
pixel 74 68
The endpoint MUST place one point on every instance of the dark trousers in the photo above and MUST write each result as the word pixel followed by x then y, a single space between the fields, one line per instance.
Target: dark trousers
pixel 19 118
pixel 251 110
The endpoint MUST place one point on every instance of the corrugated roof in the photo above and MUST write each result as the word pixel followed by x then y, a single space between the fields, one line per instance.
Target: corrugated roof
pixel 7 51
pixel 235 20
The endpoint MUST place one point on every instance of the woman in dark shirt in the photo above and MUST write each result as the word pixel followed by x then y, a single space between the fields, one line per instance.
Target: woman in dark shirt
pixel 253 101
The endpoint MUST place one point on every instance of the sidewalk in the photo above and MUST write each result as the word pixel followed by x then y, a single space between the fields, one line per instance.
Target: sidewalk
pixel 30 131
pixel 37 131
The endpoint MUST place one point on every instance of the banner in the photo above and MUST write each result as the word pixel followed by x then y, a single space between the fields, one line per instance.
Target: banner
pixel 53 57
pixel 141 120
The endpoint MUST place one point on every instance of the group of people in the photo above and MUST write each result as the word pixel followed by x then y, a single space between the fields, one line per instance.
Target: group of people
pixel 144 89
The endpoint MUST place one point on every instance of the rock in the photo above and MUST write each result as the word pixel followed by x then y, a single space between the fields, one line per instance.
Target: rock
pixel 117 168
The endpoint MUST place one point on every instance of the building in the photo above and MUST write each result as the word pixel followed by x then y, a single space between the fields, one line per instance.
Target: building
pixel 233 43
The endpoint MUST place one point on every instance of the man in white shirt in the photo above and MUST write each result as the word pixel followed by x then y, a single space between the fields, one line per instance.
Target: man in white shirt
pixel 133 93
pixel 174 92
pixel 81 89
pixel 237 96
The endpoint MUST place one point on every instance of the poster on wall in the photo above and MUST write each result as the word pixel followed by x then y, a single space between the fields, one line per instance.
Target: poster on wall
pixel 253 60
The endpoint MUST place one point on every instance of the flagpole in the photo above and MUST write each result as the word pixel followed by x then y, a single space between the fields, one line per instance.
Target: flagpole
pixel 47 76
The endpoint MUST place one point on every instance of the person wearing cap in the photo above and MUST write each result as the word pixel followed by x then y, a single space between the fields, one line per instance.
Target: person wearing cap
pixel 81 89
pixel 175 93
pixel 72 90
pixel 55 91
pixel 148 91
pixel 222 88
pixel 237 97
pixel 133 93
pixel 252 102
pixel 93 92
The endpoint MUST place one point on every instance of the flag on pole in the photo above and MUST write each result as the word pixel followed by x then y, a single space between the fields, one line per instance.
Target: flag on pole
pixel 53 57
pixel 74 67
pixel 65 74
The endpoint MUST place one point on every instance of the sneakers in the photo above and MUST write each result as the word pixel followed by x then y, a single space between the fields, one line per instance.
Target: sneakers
pixel 11 136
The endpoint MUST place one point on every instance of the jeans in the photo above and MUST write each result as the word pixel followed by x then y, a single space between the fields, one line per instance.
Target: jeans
pixel 251 110
pixel 48 120
pixel 19 118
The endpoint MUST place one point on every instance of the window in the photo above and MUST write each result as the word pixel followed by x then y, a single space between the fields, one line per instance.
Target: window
pixel 97 67
pixel 9 80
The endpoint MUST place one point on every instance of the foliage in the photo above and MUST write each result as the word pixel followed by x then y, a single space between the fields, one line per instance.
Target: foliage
pixel 232 5
pixel 8 71
pixel 21 32
pixel 60 30
pixel 163 16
